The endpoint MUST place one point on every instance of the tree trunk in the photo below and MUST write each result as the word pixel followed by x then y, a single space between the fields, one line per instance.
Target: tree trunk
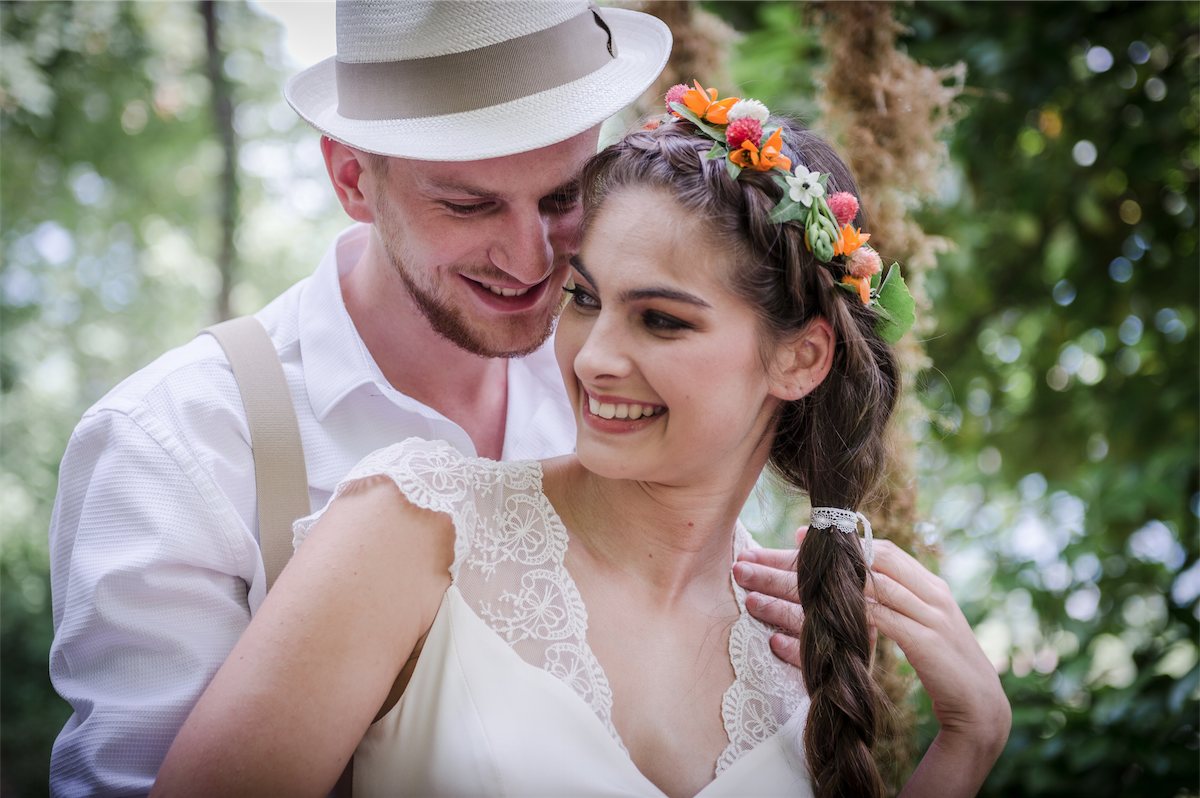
pixel 222 112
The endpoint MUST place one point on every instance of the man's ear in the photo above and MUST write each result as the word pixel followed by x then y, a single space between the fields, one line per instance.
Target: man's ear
pixel 348 171
pixel 803 361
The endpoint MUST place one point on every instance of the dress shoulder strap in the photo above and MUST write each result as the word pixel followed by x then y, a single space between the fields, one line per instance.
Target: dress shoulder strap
pixel 280 477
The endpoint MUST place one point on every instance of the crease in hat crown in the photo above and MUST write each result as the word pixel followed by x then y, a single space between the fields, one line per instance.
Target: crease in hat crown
pixel 414 49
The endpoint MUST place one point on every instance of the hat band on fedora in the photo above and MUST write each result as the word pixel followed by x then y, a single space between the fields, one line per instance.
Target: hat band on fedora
pixel 468 81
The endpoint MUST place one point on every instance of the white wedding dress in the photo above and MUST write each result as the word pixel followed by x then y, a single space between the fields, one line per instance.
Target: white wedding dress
pixel 507 697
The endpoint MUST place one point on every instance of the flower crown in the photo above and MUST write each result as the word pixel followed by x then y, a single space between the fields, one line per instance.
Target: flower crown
pixel 736 128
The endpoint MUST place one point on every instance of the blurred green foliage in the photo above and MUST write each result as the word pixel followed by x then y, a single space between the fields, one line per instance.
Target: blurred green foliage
pixel 1059 460
pixel 1062 465
pixel 109 173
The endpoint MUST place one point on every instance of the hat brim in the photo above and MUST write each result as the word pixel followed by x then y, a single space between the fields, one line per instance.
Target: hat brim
pixel 529 123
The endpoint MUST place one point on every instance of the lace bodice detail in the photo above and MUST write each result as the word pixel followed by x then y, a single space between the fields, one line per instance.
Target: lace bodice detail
pixel 509 565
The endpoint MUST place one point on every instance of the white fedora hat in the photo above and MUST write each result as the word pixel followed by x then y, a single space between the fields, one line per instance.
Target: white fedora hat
pixel 465 80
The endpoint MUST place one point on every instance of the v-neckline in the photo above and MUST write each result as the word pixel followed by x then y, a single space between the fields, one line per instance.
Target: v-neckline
pixel 604 736
pixel 741 537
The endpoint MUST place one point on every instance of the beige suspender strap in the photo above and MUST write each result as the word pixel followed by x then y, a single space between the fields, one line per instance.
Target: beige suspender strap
pixel 279 473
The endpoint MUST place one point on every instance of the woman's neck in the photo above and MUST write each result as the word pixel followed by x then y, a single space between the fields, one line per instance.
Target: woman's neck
pixel 670 539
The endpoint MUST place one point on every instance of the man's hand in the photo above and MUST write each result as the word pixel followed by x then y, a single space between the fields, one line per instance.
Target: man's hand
pixel 769 579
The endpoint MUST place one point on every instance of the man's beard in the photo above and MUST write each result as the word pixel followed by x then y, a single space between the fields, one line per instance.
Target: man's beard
pixel 452 323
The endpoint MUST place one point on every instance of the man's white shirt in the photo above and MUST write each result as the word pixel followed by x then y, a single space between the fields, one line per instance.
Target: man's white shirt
pixel 155 565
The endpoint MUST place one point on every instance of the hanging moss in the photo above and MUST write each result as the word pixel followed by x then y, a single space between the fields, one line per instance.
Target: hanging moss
pixel 890 115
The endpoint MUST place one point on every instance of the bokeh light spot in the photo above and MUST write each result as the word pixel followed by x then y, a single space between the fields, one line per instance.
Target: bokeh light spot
pixel 1129 361
pixel 1063 293
pixel 1130 331
pixel 1155 89
pixel 1099 59
pixel 1084 152
pixel 1120 269
pixel 1130 212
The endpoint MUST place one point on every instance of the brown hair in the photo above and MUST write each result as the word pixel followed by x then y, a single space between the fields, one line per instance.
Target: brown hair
pixel 829 444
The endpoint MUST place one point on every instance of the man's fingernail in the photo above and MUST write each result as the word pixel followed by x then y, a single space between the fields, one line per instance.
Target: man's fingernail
pixel 742 571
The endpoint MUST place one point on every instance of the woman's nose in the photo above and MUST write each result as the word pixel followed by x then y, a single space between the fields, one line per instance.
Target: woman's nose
pixel 604 353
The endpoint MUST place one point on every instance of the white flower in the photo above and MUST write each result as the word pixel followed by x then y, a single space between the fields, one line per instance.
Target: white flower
pixel 748 108
pixel 805 186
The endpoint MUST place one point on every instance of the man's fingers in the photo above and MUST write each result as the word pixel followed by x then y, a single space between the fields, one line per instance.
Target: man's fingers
pixel 764 579
pixel 783 559
pixel 787 648
pixel 786 615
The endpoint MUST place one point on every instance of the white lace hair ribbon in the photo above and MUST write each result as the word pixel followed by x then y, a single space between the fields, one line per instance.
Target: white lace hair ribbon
pixel 846 521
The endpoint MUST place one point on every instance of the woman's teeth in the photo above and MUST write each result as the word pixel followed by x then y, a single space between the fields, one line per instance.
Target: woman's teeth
pixel 630 411
pixel 498 291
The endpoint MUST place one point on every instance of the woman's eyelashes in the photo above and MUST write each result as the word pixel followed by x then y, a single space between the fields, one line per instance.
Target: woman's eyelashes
pixel 654 320
pixel 662 322
pixel 581 298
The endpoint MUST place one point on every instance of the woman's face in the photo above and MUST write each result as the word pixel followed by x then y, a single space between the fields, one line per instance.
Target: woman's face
pixel 662 361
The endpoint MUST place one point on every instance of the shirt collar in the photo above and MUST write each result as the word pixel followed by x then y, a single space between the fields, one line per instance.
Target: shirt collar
pixel 336 360
pixel 540 422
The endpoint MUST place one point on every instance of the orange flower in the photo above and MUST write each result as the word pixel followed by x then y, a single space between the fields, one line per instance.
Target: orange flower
pixel 849 239
pixel 704 103
pixel 862 284
pixel 769 157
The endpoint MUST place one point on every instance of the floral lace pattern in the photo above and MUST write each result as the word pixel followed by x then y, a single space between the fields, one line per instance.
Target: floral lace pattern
pixel 765 692
pixel 509 565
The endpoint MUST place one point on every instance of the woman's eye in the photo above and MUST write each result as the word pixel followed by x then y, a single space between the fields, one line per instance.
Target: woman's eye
pixel 581 299
pixel 661 322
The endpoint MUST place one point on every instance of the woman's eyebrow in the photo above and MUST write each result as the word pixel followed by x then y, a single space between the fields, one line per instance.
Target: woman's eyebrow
pixel 649 292
pixel 659 292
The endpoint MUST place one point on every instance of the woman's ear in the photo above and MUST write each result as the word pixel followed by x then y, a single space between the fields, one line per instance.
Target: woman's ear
pixel 350 175
pixel 802 362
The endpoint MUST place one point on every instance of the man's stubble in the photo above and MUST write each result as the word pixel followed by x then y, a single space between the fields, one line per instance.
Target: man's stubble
pixel 452 323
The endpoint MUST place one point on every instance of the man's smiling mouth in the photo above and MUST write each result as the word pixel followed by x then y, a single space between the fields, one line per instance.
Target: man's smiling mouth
pixel 497 290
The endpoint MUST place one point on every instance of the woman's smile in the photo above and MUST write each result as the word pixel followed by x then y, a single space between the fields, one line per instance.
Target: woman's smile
pixel 609 413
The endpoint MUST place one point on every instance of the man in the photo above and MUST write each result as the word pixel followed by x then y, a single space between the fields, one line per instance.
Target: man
pixel 452 134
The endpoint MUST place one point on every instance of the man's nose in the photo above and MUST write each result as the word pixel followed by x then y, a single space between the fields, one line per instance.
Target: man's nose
pixel 526 252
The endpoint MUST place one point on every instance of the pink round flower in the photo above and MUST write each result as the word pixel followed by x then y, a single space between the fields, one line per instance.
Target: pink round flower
pixel 675 95
pixel 844 207
pixel 744 129
pixel 864 262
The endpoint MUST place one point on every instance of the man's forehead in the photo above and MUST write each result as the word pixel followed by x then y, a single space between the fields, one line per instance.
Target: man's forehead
pixel 542 171
pixel 496 177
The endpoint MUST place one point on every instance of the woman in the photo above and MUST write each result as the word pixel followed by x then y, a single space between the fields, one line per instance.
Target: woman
pixel 715 324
